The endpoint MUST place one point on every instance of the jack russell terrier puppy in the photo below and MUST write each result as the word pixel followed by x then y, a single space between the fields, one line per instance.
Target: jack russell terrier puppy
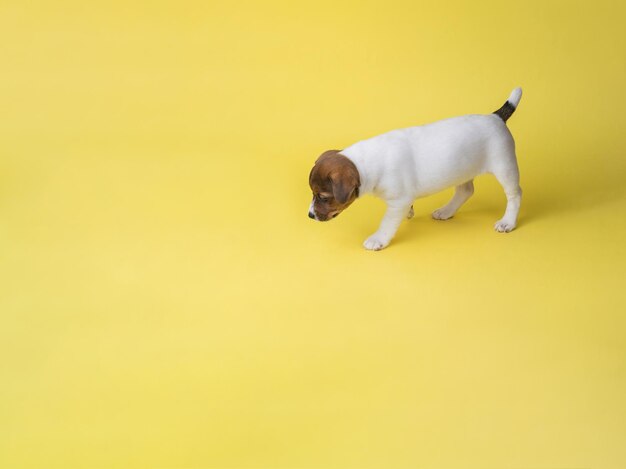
pixel 403 165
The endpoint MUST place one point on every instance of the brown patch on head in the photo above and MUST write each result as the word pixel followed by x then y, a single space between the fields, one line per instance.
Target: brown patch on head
pixel 335 183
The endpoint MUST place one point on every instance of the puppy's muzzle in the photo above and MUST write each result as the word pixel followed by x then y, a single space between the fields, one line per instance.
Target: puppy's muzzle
pixel 325 218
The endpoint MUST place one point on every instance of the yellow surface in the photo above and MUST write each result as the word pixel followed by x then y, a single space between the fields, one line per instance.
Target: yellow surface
pixel 166 302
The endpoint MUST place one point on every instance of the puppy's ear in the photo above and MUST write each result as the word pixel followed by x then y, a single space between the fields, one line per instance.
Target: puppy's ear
pixel 345 181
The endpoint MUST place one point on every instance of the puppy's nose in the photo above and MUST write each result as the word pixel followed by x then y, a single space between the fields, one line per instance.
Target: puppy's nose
pixel 312 215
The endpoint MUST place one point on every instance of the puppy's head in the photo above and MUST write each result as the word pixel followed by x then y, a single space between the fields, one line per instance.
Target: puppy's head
pixel 335 183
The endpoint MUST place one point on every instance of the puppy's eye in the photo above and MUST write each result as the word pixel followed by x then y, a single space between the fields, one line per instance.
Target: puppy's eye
pixel 322 198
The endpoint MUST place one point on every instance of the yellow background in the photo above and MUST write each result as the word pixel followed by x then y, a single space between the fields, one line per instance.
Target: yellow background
pixel 166 302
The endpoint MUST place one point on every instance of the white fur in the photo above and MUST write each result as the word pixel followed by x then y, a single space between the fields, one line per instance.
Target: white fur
pixel 402 165
pixel 515 97
pixel 312 210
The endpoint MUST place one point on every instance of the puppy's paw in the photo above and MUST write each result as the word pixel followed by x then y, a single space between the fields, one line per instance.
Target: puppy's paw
pixel 442 214
pixel 410 214
pixel 504 226
pixel 375 243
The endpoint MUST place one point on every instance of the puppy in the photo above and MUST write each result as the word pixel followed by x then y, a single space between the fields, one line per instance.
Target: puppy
pixel 403 165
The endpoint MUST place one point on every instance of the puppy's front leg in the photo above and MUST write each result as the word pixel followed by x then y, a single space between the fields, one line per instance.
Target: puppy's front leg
pixel 396 212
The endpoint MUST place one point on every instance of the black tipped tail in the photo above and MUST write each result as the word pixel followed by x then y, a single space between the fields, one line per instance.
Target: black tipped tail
pixel 509 107
pixel 505 111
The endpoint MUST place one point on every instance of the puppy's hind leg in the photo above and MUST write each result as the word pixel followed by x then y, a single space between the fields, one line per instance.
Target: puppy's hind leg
pixel 461 194
pixel 509 179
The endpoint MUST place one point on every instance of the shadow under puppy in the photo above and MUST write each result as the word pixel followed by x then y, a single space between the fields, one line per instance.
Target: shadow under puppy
pixel 403 165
